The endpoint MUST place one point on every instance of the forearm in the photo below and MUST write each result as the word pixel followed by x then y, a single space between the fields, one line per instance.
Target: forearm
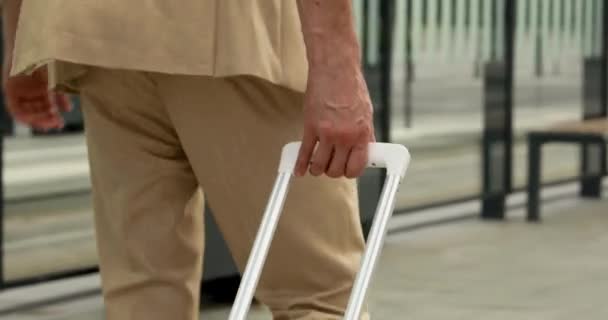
pixel 329 33
pixel 10 17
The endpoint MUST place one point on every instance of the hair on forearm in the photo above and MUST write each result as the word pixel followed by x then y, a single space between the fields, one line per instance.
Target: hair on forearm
pixel 328 27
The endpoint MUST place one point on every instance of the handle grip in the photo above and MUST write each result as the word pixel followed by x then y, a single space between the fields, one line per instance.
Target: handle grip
pixel 394 157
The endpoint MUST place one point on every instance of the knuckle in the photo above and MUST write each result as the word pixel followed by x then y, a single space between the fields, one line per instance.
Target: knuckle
pixel 334 173
pixel 316 169
pixel 325 126
pixel 315 173
pixel 360 150
pixel 327 132
pixel 344 136
pixel 353 173
pixel 355 169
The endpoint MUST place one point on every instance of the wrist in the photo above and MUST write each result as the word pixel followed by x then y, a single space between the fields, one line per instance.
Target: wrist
pixel 334 54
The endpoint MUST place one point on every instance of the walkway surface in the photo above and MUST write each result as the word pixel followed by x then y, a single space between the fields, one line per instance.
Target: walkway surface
pixel 462 270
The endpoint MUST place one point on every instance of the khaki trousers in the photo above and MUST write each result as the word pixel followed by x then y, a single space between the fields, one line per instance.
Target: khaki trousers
pixel 156 141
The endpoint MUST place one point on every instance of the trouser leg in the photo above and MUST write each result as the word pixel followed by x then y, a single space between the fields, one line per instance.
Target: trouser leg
pixel 148 208
pixel 232 131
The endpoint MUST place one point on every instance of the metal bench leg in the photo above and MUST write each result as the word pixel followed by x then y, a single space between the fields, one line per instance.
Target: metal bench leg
pixel 534 162
pixel 604 147
pixel 593 163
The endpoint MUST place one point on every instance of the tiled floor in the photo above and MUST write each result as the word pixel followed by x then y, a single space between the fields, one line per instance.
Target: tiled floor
pixel 467 270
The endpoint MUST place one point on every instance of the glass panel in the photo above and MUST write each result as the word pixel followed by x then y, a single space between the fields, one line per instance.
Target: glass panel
pixel 438 93
pixel 562 47
pixel 368 21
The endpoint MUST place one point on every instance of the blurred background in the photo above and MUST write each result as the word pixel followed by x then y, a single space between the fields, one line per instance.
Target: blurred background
pixel 461 83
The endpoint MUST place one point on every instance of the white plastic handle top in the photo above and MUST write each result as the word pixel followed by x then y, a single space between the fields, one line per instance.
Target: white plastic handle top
pixel 394 157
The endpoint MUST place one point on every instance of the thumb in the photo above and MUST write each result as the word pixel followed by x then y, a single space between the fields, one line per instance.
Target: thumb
pixel 307 147
pixel 61 101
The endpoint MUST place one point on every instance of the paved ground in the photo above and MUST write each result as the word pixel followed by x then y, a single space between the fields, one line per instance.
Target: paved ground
pixel 501 271
pixel 466 270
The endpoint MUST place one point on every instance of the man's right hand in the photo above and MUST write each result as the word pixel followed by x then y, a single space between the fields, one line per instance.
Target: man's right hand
pixel 30 102
pixel 338 114
pixel 338 123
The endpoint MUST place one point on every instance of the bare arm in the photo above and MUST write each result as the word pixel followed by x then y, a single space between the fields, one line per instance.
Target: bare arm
pixel 338 113
pixel 329 33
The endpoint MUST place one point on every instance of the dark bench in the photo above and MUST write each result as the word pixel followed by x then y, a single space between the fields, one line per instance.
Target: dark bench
pixel 591 134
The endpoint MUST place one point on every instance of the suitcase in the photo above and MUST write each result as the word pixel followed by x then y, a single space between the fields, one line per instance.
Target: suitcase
pixel 394 158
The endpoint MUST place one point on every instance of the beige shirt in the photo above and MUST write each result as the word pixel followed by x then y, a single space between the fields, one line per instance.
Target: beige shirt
pixel 197 37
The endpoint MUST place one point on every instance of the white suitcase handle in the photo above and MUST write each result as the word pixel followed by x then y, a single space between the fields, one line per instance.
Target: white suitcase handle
pixel 394 157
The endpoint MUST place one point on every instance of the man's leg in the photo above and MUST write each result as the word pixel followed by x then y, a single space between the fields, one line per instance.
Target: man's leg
pixel 148 208
pixel 233 131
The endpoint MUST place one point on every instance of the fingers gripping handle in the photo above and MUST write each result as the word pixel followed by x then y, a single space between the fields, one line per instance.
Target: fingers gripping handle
pixel 394 157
